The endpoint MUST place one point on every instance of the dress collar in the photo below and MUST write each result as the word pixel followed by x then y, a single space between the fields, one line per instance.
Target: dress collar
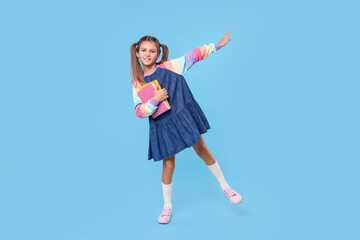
pixel 145 75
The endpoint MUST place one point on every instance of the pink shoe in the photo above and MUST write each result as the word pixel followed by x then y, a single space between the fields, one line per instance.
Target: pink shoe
pixel 234 197
pixel 165 215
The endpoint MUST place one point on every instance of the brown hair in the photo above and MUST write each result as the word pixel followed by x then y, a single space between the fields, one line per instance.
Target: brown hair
pixel 136 70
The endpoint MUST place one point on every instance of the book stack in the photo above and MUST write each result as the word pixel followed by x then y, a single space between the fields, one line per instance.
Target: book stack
pixel 146 92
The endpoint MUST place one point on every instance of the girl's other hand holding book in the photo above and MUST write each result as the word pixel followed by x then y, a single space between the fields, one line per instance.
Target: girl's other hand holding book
pixel 160 95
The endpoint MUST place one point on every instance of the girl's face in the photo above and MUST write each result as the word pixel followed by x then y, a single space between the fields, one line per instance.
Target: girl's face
pixel 147 53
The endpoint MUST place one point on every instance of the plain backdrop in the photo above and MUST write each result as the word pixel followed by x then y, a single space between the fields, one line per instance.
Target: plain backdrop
pixel 282 100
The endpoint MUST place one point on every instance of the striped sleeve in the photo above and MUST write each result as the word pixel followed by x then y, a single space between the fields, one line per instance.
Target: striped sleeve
pixel 143 110
pixel 182 64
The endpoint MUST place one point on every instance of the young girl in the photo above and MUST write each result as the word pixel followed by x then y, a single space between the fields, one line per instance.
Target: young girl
pixel 181 126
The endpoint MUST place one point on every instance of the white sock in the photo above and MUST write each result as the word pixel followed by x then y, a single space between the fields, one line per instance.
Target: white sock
pixel 215 169
pixel 167 194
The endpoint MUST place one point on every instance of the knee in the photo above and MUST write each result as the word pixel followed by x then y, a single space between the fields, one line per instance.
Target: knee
pixel 201 149
pixel 169 163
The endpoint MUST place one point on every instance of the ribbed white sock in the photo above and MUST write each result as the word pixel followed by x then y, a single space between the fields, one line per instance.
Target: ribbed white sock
pixel 215 169
pixel 167 194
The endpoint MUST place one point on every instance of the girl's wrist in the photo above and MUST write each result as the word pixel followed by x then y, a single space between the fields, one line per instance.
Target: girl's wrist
pixel 217 46
pixel 153 102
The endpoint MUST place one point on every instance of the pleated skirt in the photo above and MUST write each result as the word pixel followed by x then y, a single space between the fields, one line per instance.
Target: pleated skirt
pixel 179 132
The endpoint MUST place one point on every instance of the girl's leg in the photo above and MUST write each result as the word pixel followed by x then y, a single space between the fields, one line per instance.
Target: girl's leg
pixel 168 171
pixel 204 153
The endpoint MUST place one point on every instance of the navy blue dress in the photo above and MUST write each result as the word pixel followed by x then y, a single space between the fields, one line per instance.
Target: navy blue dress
pixel 181 126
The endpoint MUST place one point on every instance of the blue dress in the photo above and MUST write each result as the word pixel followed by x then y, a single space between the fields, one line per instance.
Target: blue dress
pixel 181 126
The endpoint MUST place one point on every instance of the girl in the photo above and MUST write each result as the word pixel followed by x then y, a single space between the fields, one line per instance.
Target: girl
pixel 182 126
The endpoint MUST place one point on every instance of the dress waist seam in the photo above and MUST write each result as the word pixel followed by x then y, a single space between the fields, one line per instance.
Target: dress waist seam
pixel 175 115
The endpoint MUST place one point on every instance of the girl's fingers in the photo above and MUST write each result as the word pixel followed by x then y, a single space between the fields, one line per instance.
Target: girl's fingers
pixel 225 39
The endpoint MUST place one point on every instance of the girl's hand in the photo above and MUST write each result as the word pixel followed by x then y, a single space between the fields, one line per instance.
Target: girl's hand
pixel 160 95
pixel 225 39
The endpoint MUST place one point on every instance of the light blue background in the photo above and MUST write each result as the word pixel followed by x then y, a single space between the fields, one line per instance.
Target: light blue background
pixel 282 99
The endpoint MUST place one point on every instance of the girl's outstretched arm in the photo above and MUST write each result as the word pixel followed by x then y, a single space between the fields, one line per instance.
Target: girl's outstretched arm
pixel 182 64
pixel 143 110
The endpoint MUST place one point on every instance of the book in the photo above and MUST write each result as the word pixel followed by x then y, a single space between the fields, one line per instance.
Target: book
pixel 146 92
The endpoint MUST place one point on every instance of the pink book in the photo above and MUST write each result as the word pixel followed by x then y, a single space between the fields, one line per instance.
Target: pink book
pixel 146 92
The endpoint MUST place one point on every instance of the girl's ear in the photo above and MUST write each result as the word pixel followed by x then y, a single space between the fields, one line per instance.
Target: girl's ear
pixel 137 54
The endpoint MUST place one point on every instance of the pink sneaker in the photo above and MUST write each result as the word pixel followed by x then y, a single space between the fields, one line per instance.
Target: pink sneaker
pixel 234 197
pixel 165 215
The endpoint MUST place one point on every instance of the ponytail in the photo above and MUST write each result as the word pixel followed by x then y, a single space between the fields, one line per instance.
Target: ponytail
pixel 165 53
pixel 136 70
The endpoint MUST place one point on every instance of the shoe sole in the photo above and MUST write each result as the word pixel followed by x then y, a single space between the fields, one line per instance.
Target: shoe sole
pixel 165 222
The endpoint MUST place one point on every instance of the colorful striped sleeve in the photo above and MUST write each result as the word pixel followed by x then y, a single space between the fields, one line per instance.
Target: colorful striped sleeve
pixel 182 64
pixel 143 110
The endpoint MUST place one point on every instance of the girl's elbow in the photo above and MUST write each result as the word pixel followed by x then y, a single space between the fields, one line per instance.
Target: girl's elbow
pixel 139 114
